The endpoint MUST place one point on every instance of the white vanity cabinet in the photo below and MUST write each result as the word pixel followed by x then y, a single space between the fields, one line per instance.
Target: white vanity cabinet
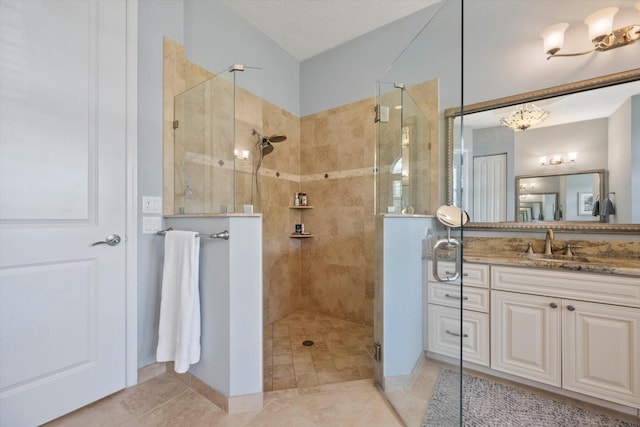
pixel 442 320
pixel 601 351
pixel 526 336
pixel 578 331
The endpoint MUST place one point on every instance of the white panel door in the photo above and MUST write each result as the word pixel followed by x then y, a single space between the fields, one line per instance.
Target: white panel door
pixel 525 336
pixel 62 183
pixel 490 188
pixel 602 351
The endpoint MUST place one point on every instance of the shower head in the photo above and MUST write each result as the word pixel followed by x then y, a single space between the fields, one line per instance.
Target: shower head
pixel 275 138
pixel 265 147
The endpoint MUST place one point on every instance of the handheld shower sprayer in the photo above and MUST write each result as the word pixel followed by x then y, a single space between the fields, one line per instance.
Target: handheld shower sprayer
pixel 263 146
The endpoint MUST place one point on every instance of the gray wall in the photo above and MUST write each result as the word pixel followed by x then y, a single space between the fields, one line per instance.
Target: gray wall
pixel 588 138
pixel 215 37
pixel 156 19
pixel 502 53
pixel 349 72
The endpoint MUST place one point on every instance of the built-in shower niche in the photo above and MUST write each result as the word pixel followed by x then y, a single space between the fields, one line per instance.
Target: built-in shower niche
pixel 407 159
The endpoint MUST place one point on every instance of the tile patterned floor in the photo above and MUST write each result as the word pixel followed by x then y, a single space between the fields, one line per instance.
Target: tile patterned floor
pixel 166 401
pixel 342 351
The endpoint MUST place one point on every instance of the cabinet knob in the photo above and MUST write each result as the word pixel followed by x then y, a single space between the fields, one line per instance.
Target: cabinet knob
pixel 571 308
pixel 553 305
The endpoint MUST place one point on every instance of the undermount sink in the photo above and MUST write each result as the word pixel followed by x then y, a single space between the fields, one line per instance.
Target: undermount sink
pixel 555 257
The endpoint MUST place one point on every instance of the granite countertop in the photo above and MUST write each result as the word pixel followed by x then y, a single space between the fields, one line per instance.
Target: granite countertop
pixel 589 264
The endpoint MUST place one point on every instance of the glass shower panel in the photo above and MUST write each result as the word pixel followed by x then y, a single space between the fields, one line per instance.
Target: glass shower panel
pixel 424 383
pixel 404 151
pixel 248 130
pixel 391 196
pixel 204 147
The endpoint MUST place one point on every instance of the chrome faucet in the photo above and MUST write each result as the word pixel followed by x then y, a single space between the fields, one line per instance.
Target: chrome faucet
pixel 548 239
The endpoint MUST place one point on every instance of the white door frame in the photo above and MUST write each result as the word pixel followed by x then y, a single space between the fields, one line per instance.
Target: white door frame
pixel 131 240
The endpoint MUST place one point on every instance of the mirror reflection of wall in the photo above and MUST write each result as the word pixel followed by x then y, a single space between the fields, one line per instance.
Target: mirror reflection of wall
pixel 569 197
pixel 590 130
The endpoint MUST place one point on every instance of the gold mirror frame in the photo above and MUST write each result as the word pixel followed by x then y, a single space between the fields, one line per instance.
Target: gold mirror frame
pixel 451 113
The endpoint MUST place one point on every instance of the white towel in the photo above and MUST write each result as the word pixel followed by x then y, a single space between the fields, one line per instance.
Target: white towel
pixel 179 331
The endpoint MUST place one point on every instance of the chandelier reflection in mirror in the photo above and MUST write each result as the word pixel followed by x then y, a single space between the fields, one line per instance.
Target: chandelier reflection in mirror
pixel 601 33
pixel 524 117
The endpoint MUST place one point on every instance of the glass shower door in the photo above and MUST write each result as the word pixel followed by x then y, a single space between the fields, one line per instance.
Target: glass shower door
pixel 421 335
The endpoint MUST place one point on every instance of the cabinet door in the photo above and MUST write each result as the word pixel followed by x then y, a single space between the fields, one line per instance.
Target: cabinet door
pixel 601 354
pixel 525 333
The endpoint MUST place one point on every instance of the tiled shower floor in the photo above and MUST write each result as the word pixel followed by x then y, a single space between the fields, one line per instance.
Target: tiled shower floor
pixel 342 351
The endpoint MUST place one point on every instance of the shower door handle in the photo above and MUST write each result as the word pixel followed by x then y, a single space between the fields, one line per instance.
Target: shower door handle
pixel 436 250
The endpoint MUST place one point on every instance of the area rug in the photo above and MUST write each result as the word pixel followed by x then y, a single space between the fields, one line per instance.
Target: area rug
pixel 487 403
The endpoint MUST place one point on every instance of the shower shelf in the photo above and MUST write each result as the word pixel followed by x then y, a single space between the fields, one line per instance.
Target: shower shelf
pixel 300 236
pixel 300 207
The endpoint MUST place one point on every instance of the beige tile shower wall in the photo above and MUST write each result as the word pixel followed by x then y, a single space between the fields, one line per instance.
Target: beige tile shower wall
pixel 281 254
pixel 338 263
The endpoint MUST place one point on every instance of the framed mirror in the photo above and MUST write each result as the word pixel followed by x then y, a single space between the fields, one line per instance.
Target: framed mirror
pixel 557 197
pixel 589 128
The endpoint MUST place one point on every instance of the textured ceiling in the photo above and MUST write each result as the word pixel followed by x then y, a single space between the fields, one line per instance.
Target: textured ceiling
pixel 305 28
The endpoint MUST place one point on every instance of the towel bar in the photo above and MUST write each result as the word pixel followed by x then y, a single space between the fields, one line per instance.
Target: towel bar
pixel 222 235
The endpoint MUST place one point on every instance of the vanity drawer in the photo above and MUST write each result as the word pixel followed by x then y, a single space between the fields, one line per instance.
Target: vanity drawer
pixel 574 285
pixel 449 294
pixel 444 328
pixel 474 274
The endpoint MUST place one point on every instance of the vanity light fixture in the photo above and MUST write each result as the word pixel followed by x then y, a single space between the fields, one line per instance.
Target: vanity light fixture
pixel 558 159
pixel 524 117
pixel 601 33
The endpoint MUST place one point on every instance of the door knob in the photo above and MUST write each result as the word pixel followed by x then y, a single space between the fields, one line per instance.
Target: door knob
pixel 112 240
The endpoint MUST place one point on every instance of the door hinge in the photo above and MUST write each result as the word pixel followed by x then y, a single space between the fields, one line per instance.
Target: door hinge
pixel 175 124
pixel 377 352
pixel 382 113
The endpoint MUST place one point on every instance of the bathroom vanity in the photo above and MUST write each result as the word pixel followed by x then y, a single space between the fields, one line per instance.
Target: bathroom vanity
pixel 543 322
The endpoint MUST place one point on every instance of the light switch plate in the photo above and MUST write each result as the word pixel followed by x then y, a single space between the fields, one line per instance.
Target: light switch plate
pixel 151 204
pixel 151 224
